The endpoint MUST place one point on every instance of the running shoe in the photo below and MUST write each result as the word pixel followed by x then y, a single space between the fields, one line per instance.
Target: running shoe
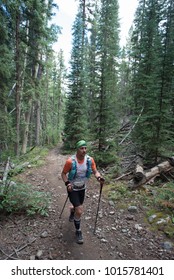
pixel 79 237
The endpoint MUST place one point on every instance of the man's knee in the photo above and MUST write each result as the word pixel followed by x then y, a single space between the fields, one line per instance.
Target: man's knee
pixel 78 210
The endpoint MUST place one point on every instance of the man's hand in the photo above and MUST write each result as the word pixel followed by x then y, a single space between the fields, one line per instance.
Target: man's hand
pixel 100 179
pixel 69 186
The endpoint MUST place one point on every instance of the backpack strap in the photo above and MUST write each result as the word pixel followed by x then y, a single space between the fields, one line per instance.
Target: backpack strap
pixel 89 167
pixel 73 170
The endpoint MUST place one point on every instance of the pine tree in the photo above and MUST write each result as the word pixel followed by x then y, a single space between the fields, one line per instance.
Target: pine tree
pixel 166 101
pixel 26 41
pixel 6 76
pixel 108 49
pixel 93 69
pixel 76 110
pixel 147 51
pixel 53 99
pixel 153 60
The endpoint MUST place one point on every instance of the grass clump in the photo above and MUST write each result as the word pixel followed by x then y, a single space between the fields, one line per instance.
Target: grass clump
pixel 117 191
pixel 165 196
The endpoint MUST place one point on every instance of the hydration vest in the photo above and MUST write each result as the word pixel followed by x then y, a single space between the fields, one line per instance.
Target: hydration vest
pixel 72 172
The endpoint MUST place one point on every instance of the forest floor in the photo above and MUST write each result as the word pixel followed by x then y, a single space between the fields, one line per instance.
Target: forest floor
pixel 120 235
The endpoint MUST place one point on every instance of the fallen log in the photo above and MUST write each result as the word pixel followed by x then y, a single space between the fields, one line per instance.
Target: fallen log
pixel 142 177
pixel 139 173
pixel 139 170
pixel 162 167
pixel 170 159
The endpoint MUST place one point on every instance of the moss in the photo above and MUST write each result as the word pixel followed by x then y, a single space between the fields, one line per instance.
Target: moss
pixel 166 226
pixel 169 230
pixel 116 191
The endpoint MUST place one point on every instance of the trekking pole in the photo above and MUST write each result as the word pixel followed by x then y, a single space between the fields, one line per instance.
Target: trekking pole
pixel 101 186
pixel 63 207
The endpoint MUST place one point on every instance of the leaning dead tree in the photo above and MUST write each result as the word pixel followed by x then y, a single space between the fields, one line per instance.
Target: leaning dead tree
pixel 121 142
pixel 4 176
pixel 6 171
pixel 9 170
pixel 142 176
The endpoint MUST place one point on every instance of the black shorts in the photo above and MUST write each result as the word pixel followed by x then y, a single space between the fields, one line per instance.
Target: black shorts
pixel 77 197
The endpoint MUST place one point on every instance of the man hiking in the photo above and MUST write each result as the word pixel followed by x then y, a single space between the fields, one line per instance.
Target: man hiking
pixel 75 174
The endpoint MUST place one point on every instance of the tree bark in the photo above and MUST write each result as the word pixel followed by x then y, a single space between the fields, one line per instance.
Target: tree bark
pixel 38 122
pixel 139 173
pixel 26 127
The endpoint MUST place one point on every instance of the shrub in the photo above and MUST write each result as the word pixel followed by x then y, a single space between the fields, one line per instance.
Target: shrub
pixel 24 198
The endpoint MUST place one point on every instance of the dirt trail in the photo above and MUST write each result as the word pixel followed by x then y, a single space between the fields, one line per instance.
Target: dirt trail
pixel 37 237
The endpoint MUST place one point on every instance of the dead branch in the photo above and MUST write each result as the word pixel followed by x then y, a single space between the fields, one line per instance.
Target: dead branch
pixel 132 127
pixel 7 255
pixel 21 248
pixel 171 175
pixel 123 127
pixel 122 176
pixel 16 252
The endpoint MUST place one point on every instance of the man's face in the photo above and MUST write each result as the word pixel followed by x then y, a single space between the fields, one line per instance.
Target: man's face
pixel 82 151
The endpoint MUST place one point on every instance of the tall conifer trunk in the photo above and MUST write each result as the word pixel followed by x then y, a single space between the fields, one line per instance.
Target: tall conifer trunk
pixel 17 97
pixel 27 114
pixel 27 117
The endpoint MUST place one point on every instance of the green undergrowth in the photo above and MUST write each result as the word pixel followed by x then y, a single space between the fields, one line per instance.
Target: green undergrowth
pixel 157 200
pixel 24 198
pixel 19 197
pixel 35 157
pixel 32 159
pixel 117 191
